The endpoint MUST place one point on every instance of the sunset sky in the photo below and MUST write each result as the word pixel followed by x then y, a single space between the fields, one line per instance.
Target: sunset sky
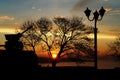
pixel 14 12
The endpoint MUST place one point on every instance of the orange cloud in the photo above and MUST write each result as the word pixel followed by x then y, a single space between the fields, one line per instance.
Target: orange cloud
pixel 106 0
pixel 7 18
pixel 108 9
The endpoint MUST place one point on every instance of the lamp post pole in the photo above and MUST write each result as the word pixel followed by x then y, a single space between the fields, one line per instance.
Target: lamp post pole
pixel 95 44
pixel 95 18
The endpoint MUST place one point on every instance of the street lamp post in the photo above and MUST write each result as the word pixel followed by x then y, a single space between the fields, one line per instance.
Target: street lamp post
pixel 95 18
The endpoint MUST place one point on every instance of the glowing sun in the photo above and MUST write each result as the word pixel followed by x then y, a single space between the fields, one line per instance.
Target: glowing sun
pixel 54 56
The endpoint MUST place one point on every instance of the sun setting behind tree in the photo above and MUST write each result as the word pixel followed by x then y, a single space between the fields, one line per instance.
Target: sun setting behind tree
pixel 54 56
pixel 58 37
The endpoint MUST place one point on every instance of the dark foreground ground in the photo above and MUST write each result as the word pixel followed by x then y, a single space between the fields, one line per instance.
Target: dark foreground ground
pixel 23 65
pixel 61 73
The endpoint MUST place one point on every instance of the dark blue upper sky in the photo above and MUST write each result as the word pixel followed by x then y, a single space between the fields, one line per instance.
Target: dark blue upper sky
pixel 18 11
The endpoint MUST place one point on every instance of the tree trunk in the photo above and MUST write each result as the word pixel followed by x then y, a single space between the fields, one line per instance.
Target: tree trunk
pixel 34 49
pixel 54 63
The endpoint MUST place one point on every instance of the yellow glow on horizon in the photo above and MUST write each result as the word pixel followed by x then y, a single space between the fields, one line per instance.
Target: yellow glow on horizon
pixel 106 36
pixel 103 36
pixel 103 39
pixel 7 30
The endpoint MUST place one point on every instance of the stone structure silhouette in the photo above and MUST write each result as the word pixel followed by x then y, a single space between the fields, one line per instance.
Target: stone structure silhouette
pixel 14 57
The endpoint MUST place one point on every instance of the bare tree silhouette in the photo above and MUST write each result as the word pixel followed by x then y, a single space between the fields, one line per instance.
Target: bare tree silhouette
pixel 37 34
pixel 31 37
pixel 114 47
pixel 72 36
pixel 44 26
pixel 63 36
